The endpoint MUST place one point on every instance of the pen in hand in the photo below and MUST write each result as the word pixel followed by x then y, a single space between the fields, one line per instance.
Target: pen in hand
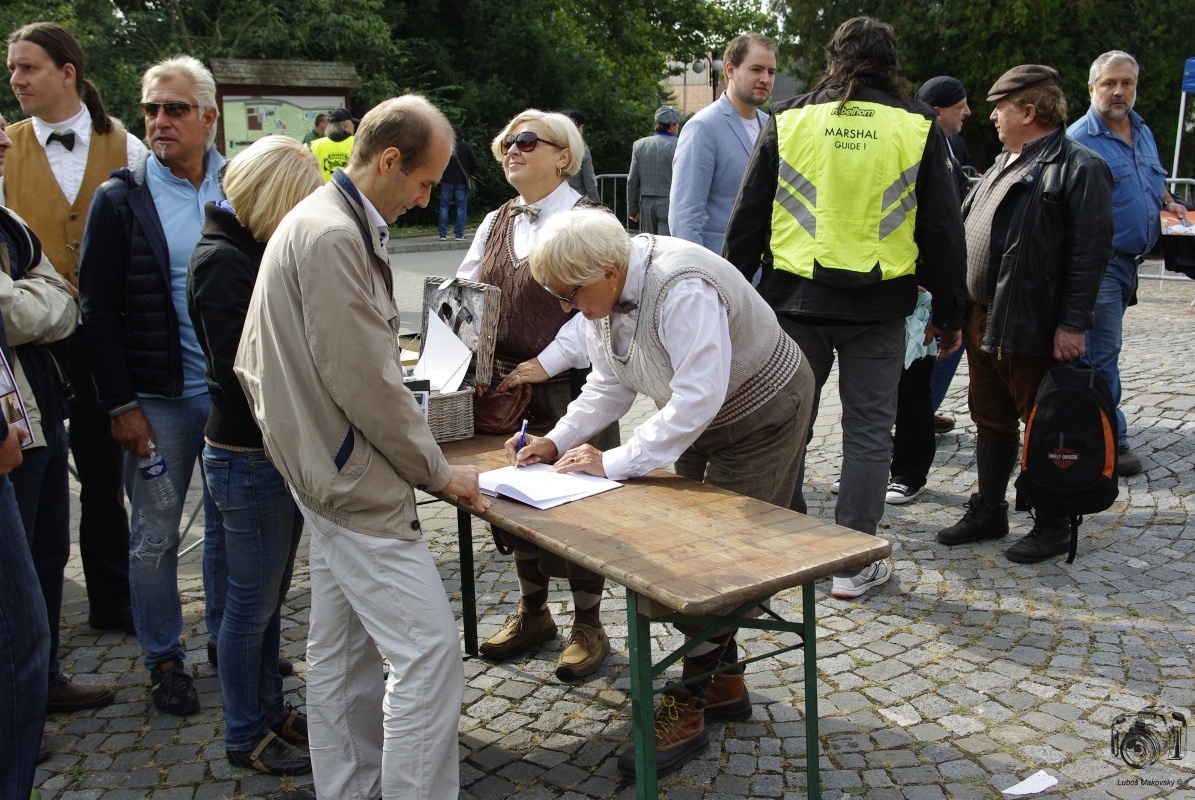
pixel 522 437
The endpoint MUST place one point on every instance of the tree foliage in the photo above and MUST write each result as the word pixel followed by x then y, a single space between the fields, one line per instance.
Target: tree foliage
pixel 482 62
pixel 977 41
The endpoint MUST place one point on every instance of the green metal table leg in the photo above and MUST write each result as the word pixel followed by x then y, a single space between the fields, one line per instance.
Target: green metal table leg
pixel 639 642
pixel 811 742
pixel 464 534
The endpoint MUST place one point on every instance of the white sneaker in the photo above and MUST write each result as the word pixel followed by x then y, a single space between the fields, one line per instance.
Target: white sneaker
pixel 835 486
pixel 875 575
pixel 900 493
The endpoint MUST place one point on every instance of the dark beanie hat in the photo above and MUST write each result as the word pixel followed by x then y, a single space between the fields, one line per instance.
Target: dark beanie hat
pixel 942 91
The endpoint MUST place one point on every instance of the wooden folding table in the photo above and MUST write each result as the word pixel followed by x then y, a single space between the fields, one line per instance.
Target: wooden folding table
pixel 686 552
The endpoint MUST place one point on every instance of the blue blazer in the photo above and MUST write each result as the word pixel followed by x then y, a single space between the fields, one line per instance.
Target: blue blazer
pixel 711 158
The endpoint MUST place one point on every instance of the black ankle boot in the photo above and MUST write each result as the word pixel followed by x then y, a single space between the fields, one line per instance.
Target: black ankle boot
pixel 1049 538
pixel 983 520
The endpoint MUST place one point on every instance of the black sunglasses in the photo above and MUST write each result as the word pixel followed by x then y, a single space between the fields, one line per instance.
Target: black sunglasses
pixel 526 141
pixel 175 108
pixel 566 300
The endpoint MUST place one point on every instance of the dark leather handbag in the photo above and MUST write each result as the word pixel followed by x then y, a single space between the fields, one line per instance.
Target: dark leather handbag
pixel 496 412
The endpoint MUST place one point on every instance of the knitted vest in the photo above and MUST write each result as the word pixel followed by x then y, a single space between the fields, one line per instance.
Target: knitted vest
pixel 31 190
pixel 763 357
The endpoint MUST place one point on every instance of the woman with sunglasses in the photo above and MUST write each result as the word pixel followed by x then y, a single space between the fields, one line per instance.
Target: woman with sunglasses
pixel 539 342
pixel 262 524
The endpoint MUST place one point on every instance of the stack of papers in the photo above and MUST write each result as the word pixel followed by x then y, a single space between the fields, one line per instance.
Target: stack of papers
pixel 445 359
pixel 540 487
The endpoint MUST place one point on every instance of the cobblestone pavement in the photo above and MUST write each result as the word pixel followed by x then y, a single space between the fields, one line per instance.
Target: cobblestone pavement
pixel 961 677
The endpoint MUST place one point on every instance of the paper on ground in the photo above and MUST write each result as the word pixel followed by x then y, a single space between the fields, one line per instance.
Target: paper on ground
pixel 1037 782
pixel 540 487
pixel 445 359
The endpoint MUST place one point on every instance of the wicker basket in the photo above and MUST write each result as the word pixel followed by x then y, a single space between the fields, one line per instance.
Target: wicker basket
pixel 450 416
pixel 471 311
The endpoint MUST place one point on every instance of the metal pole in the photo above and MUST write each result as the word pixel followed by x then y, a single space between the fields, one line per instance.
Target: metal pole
pixel 642 711
pixel 812 744
pixel 464 534
pixel 1178 139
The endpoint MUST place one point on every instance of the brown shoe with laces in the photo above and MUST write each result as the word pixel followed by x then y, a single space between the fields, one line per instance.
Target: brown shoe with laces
pixel 522 630
pixel 587 648
pixel 680 733
pixel 66 695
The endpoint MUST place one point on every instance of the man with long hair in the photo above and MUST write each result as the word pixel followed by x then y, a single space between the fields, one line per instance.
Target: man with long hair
pixel 65 149
pixel 850 203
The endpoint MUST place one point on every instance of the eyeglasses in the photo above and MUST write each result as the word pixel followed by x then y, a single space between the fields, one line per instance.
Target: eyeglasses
pixel 526 141
pixel 175 108
pixel 566 300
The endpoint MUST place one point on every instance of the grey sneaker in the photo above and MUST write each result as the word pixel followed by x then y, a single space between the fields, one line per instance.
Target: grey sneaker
pixel 877 574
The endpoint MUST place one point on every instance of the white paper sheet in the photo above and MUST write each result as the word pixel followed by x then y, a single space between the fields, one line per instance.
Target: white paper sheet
pixel 445 359
pixel 1037 782
pixel 538 486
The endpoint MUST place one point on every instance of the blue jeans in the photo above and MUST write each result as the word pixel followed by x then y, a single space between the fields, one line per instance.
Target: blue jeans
pixel 1105 339
pixel 154 535
pixel 448 193
pixel 43 496
pixel 24 653
pixel 262 527
pixel 870 358
pixel 943 374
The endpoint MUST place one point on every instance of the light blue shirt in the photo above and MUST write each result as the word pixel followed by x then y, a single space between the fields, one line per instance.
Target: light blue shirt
pixel 180 209
pixel 1138 179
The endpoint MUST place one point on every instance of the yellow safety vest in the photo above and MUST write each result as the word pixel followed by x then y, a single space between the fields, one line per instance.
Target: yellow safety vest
pixel 845 205
pixel 331 155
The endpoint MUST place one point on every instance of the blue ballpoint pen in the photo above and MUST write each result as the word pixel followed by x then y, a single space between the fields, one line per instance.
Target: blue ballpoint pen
pixel 522 436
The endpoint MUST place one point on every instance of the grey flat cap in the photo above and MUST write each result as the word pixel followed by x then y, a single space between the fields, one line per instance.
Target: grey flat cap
pixel 667 115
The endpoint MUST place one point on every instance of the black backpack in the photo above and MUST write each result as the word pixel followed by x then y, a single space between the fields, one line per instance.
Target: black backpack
pixel 1068 463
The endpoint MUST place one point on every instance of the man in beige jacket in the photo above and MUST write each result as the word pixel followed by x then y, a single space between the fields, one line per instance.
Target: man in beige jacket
pixel 319 360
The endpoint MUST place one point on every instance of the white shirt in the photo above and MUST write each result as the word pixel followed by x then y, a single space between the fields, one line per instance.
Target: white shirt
pixel 376 218
pixel 568 350
pixel 752 126
pixel 69 166
pixel 695 330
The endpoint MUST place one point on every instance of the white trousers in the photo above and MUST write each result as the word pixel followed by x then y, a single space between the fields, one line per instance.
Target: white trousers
pixel 370 737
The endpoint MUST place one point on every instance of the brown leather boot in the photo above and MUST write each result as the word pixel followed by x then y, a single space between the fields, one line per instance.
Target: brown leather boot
pixel 680 733
pixel 726 699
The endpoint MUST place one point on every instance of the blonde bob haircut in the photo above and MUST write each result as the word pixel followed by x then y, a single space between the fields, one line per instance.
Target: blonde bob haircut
pixel 576 245
pixel 267 179
pixel 559 128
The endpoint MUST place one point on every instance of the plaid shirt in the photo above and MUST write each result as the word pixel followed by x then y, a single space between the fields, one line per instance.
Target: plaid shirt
pixel 982 263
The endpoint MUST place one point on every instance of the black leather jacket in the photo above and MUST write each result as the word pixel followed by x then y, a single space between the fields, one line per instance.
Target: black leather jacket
pixel 1051 242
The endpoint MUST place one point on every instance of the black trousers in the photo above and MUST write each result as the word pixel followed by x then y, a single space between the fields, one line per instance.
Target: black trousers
pixel 99 460
pixel 913 444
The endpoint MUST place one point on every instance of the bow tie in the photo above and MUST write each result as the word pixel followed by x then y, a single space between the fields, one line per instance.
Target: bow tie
pixel 67 139
pixel 623 308
pixel 531 211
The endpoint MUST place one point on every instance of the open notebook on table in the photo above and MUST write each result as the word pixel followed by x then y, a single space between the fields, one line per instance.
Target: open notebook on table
pixel 540 487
